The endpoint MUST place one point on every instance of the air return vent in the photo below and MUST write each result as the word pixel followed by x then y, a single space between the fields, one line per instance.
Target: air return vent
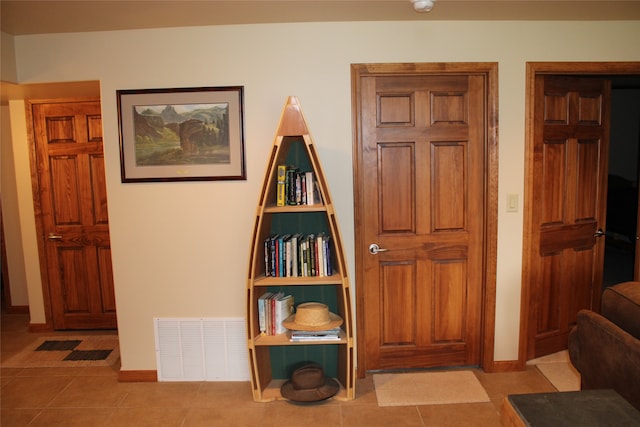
pixel 197 349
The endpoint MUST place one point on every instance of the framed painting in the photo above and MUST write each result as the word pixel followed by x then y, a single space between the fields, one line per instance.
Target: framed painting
pixel 188 134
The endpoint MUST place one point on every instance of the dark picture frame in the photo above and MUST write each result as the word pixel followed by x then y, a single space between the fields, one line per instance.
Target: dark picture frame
pixel 184 134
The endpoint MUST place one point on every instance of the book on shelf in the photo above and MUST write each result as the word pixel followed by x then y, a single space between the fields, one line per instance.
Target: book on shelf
pixel 295 187
pixel 326 335
pixel 309 188
pixel 298 255
pixel 281 186
pixel 273 308
pixel 262 312
pixel 283 309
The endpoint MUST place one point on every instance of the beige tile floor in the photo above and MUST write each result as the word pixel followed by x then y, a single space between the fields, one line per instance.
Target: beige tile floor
pixel 94 397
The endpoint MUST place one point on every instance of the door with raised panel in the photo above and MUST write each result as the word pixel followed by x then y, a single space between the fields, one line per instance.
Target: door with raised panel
pixel 72 202
pixel 568 213
pixel 421 188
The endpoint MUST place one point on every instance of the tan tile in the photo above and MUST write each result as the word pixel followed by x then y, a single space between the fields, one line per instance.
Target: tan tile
pixel 76 371
pixel 224 417
pixel 32 392
pixel 224 393
pixel 365 392
pixel 13 343
pixel 48 372
pixel 93 396
pixel 468 415
pixel 159 395
pixel 17 417
pixel 10 372
pixel 96 392
pixel 500 384
pixel 152 417
pixel 71 417
pixel 373 416
pixel 327 413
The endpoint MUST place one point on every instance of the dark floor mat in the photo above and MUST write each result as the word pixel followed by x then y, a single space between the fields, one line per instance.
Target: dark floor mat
pixel 88 355
pixel 58 345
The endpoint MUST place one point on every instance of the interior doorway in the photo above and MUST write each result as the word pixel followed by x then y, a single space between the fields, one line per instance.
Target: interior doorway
pixel 622 194
pixel 72 214
pixel 534 308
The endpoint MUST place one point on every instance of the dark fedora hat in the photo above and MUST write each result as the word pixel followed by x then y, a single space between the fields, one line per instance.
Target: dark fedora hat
pixel 309 384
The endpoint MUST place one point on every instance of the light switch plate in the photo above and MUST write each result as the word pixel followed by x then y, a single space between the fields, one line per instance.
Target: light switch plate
pixel 512 202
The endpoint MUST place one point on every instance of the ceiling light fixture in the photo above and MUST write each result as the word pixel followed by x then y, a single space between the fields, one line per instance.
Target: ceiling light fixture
pixel 423 5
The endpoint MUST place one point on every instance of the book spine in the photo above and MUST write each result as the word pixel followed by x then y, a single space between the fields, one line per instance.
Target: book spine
pixel 321 269
pixel 280 249
pixel 261 319
pixel 309 187
pixel 291 186
pixel 312 255
pixel 262 312
pixel 281 186
pixel 272 245
pixel 327 257
pixel 298 189
pixel 303 189
pixel 288 257
pixel 267 257
pixel 295 260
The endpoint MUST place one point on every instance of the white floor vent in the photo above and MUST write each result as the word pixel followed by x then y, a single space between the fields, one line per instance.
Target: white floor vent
pixel 196 349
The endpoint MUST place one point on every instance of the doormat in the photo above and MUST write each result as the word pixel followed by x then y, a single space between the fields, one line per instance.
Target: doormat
pixel 67 352
pixel 428 388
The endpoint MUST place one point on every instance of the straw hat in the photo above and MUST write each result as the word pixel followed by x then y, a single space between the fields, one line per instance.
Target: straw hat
pixel 312 316
pixel 309 384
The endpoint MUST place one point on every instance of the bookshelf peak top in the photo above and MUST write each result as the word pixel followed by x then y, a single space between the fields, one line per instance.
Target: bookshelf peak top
pixel 292 121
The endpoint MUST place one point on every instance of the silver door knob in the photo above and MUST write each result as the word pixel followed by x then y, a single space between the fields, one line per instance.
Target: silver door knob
pixel 599 233
pixel 374 249
pixel 53 236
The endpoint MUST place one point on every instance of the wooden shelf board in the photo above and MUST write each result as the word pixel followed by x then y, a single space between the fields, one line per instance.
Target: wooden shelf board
pixel 297 208
pixel 283 339
pixel 272 392
pixel 334 279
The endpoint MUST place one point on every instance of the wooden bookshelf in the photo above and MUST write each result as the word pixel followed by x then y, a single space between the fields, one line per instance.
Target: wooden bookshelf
pixel 273 358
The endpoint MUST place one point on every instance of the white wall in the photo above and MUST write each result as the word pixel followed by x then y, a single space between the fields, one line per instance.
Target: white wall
pixel 181 249
pixel 10 214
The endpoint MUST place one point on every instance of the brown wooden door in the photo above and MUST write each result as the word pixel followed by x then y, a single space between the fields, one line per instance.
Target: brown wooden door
pixel 421 160
pixel 73 203
pixel 571 140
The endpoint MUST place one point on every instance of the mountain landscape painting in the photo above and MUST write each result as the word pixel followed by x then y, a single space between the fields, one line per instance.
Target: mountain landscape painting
pixel 181 134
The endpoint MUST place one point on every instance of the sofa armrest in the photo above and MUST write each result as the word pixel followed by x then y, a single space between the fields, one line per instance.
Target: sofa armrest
pixel 621 305
pixel 606 356
pixel 574 347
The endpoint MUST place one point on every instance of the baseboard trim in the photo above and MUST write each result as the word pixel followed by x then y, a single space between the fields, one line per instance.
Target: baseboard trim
pixel 40 327
pixel 18 309
pixel 138 376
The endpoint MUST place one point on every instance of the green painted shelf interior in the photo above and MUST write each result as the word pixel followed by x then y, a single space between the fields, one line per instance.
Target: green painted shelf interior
pixel 297 155
pixel 285 359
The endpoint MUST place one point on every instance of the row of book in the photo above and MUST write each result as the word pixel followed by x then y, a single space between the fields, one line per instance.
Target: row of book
pixel 273 308
pixel 298 255
pixel 296 188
